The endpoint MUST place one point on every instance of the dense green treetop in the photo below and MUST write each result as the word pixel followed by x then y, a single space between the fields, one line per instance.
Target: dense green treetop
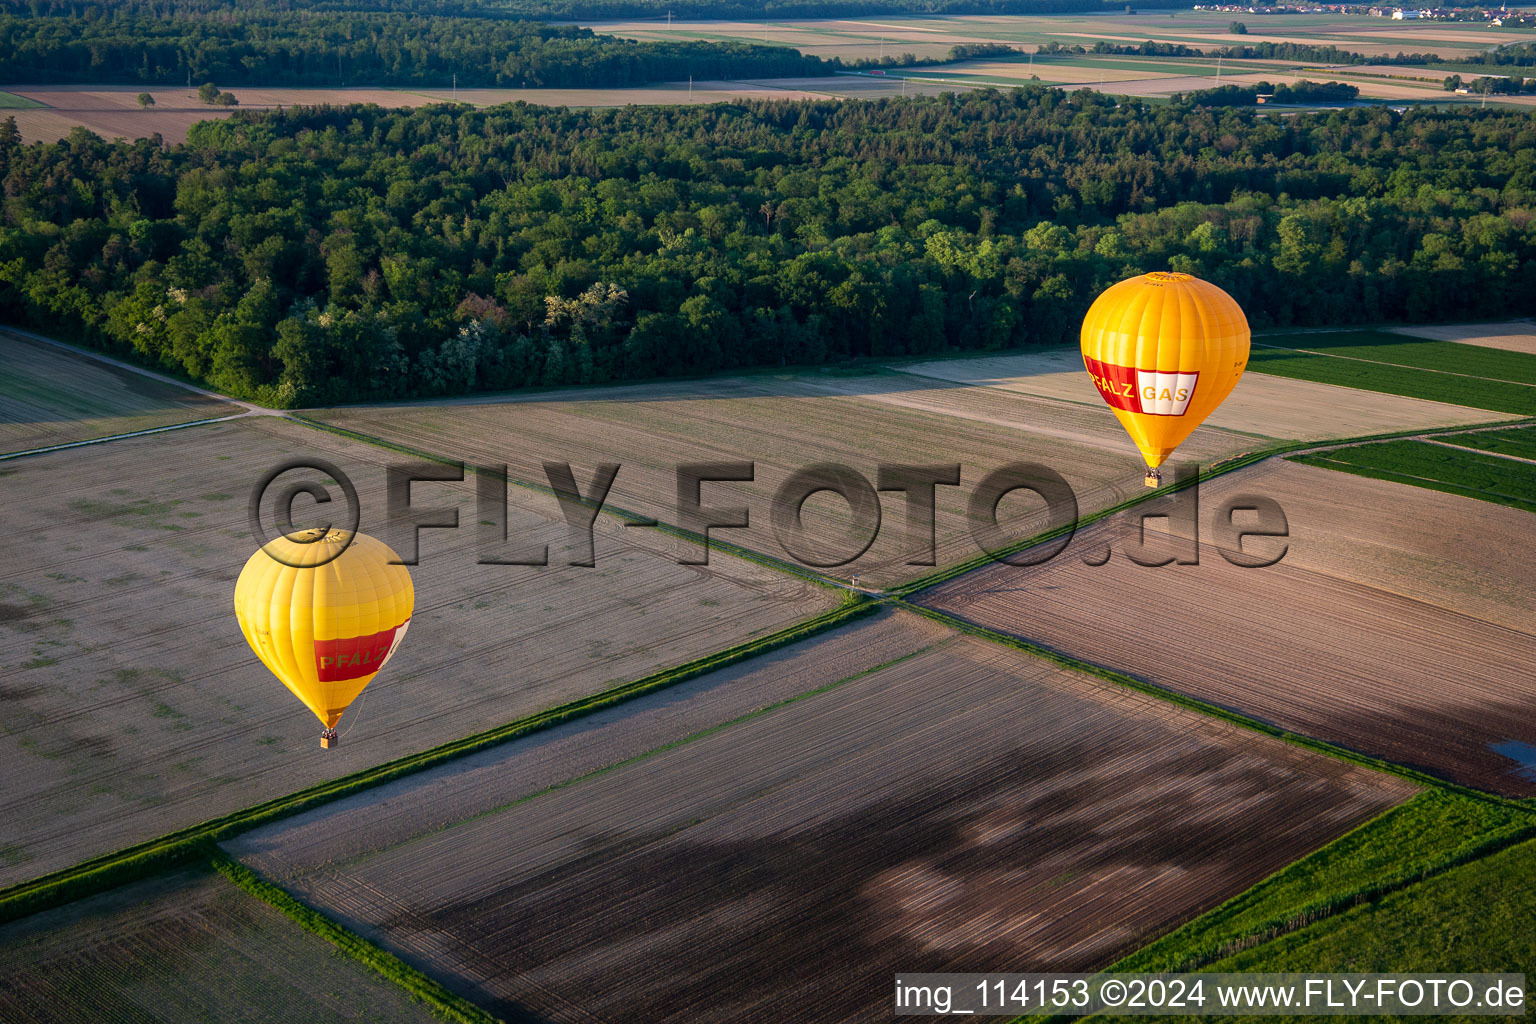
pixel 136 44
pixel 317 256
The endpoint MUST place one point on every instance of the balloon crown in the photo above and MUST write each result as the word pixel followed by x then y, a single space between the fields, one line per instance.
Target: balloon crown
pixel 1160 276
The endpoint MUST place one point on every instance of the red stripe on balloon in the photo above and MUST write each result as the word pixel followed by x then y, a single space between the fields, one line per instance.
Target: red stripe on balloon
pixel 1116 383
pixel 353 657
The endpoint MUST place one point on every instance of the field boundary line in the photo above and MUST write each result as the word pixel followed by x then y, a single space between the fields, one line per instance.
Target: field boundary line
pixel 1222 466
pixel 644 755
pixel 1207 708
pixel 107 871
pixel 628 517
pixel 7 456
pixel 1399 366
pixel 1218 468
pixel 383 963
pixel 1481 451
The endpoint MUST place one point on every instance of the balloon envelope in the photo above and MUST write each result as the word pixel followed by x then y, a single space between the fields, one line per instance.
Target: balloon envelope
pixel 326 629
pixel 1164 350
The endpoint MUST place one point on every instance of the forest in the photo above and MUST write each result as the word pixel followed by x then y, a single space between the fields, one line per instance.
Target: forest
pixel 134 44
pixel 315 256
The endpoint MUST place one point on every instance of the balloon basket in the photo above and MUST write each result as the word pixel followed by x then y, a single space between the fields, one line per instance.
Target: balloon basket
pixel 329 739
pixel 1154 478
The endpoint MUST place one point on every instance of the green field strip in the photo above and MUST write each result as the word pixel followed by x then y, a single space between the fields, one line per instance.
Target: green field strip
pixel 1386 349
pixel 105 872
pixel 10 101
pixel 1449 387
pixel 1517 441
pixel 1204 707
pixel 388 966
pixel 1477 916
pixel 1438 467
pixel 758 558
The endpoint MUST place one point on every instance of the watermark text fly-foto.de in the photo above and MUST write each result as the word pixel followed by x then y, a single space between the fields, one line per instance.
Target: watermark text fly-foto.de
pixel 706 503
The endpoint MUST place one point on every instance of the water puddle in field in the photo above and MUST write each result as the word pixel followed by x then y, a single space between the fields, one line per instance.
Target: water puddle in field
pixel 1524 753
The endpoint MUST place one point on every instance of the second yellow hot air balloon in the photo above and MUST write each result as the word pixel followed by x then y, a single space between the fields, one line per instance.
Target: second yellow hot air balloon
pixel 324 612
pixel 1164 350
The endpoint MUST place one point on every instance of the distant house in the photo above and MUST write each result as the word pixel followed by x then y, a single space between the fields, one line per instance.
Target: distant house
pixel 1265 97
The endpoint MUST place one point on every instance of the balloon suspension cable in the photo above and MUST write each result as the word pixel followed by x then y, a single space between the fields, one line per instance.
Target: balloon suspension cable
pixel 353 724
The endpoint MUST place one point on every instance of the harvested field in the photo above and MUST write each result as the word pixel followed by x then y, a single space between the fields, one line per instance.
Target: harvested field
pixel 50 395
pixel 1440 465
pixel 1515 336
pixel 291 850
pixel 1397 624
pixel 132 705
pixel 784 424
pixel 1431 547
pixel 113 111
pixel 188 947
pixel 966 806
pixel 928 37
pixel 1265 405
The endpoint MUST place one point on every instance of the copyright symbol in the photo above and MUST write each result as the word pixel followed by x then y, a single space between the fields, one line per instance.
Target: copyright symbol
pixel 1112 992
pixel 284 498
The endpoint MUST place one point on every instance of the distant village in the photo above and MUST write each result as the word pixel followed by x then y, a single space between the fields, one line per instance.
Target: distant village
pixel 1489 15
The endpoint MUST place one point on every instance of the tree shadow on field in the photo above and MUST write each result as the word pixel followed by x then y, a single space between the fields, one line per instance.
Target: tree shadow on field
pixel 1056 857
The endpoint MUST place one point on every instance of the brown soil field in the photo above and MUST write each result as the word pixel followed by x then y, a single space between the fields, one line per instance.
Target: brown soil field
pixel 787 423
pixel 1434 548
pixel 1516 335
pixel 1381 629
pixel 50 395
pixel 131 704
pixel 294 850
pixel 188 948
pixel 1261 404
pixel 969 806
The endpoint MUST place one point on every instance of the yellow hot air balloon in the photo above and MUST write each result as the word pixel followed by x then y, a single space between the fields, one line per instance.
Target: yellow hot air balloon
pixel 1164 350
pixel 323 622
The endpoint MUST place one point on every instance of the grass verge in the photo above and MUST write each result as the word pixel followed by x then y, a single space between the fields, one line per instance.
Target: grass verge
pixel 386 965
pixel 1438 468
pixel 105 872
pixel 1476 917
